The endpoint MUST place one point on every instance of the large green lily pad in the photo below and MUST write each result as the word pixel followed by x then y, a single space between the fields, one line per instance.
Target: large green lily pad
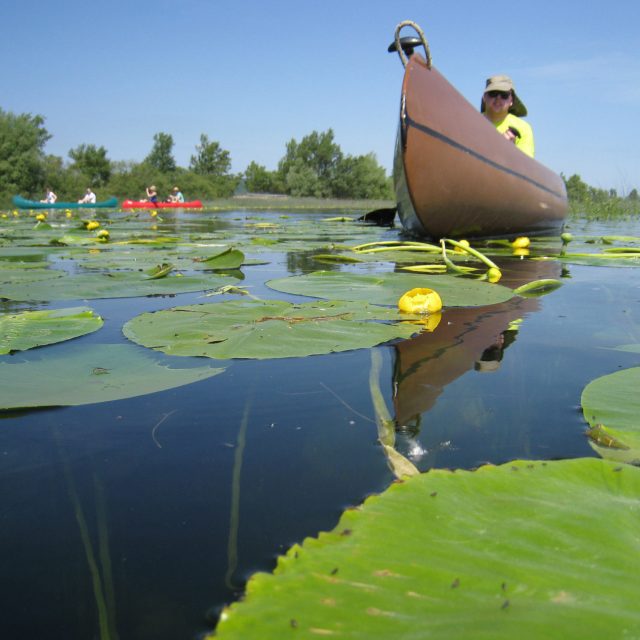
pixel 90 374
pixel 524 550
pixel 265 329
pixel 386 288
pixel 111 285
pixel 611 406
pixel 21 331
pixel 9 275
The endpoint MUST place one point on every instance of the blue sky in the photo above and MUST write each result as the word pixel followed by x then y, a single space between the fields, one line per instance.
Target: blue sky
pixel 254 74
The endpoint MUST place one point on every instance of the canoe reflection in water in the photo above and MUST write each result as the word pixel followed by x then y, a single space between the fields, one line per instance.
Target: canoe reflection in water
pixel 468 338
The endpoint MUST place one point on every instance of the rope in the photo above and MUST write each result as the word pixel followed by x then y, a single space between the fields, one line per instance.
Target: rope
pixel 418 30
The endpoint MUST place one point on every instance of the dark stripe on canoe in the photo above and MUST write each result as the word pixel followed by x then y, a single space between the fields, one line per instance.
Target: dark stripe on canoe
pixel 452 143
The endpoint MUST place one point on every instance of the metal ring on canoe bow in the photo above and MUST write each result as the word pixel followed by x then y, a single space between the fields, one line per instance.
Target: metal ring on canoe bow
pixel 408 44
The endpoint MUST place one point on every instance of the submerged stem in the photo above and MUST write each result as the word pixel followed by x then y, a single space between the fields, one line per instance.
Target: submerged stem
pixel 234 519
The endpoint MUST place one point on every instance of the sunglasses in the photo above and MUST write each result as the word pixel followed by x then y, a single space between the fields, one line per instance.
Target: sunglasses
pixel 505 95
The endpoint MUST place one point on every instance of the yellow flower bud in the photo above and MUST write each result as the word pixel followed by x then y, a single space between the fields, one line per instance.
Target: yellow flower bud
pixel 420 300
pixel 92 224
pixel 493 274
pixel 566 238
pixel 521 243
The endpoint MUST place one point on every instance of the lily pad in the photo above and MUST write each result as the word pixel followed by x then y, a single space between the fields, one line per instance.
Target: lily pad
pixel 527 549
pixel 228 258
pixel 11 276
pixel 22 331
pixel 90 374
pixel 265 329
pixel 111 285
pixel 386 288
pixel 611 406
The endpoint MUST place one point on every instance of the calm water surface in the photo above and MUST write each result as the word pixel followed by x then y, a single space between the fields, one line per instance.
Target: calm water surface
pixel 182 495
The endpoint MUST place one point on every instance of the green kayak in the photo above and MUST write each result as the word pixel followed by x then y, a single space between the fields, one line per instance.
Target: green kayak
pixel 23 203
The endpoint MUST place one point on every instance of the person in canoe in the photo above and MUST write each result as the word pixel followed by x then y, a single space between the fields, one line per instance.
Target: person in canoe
pixel 49 196
pixel 175 195
pixel 501 105
pixel 152 194
pixel 88 198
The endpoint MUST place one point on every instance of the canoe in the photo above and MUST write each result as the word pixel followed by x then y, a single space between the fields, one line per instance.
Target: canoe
pixel 137 204
pixel 23 203
pixel 454 175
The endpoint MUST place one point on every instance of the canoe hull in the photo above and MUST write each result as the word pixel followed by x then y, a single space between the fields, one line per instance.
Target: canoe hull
pixel 456 177
pixel 137 204
pixel 23 203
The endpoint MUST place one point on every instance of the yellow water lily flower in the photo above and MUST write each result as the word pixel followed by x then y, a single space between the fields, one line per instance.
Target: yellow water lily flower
pixel 16 213
pixel 493 274
pixel 92 224
pixel 420 300
pixel 68 213
pixel 103 235
pixel 41 217
pixel 521 243
pixel 153 214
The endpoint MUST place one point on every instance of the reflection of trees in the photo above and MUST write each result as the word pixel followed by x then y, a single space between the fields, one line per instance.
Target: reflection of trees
pixel 12 306
pixel 304 262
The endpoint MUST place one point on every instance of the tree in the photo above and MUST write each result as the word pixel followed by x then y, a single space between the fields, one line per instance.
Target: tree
pixel 161 156
pixel 210 158
pixel 317 156
pixel 577 190
pixel 92 163
pixel 259 180
pixel 361 177
pixel 22 141
pixel 633 195
pixel 303 181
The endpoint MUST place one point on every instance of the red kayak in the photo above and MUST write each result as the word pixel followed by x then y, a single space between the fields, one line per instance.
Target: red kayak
pixel 136 204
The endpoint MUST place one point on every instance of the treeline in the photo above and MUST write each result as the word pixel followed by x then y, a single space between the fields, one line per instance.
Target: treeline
pixel 584 199
pixel 314 167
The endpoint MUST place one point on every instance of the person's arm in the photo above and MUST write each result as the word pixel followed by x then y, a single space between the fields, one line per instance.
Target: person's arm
pixel 525 143
pixel 521 133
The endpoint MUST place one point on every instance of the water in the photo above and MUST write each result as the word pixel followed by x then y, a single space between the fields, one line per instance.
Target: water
pixel 151 513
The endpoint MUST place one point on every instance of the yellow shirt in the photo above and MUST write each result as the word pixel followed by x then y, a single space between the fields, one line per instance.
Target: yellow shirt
pixel 524 141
